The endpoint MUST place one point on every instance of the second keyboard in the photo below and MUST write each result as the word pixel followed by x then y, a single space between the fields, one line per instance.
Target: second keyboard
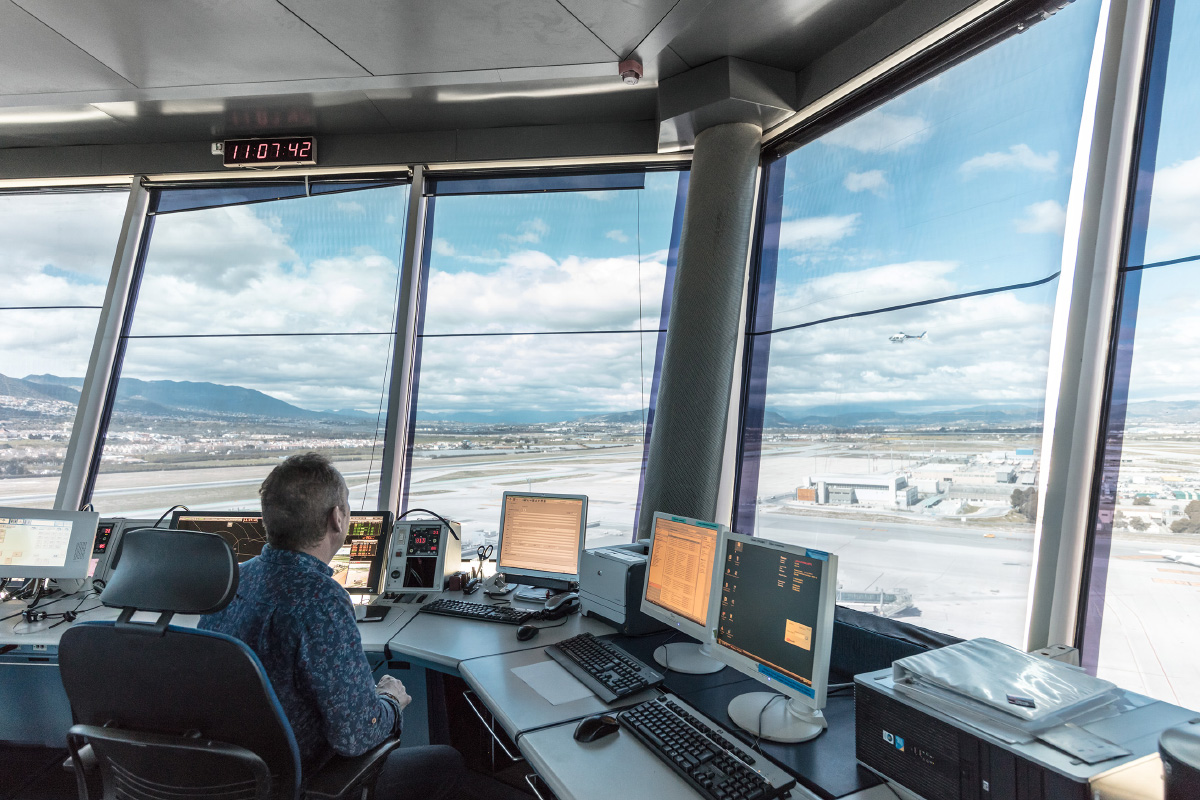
pixel 506 615
pixel 601 666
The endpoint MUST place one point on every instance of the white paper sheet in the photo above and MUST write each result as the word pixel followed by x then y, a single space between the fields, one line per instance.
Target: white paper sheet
pixel 552 682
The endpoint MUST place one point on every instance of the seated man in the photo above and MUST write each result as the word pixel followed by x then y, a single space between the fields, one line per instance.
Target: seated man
pixel 300 622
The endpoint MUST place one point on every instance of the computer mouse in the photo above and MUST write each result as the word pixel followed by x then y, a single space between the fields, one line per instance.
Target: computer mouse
pixel 590 729
pixel 526 632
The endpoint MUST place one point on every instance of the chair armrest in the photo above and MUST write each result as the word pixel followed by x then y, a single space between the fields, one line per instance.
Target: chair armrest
pixel 343 775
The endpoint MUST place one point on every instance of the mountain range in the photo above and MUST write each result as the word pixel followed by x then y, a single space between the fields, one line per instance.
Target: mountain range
pixel 176 398
pixel 202 399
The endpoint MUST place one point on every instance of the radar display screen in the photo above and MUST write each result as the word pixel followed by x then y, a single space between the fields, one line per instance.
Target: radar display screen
pixel 244 531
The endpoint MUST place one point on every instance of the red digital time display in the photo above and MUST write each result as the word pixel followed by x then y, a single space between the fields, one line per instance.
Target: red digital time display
pixel 270 152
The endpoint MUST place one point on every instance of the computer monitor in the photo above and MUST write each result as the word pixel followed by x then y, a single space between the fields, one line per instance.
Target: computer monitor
pixel 359 564
pixel 37 543
pixel 679 589
pixel 541 539
pixel 243 530
pixel 776 625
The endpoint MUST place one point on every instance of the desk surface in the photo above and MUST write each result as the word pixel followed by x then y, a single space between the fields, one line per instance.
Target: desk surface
pixel 517 706
pixel 587 771
pixel 45 635
pixel 448 641
pixel 824 765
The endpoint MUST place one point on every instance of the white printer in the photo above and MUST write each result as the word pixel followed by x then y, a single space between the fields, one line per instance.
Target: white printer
pixel 611 580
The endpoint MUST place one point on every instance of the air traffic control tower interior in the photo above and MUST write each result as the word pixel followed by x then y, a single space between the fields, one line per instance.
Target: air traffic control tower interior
pixel 762 267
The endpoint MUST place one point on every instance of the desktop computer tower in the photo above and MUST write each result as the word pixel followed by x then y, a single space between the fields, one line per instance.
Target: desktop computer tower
pixel 939 758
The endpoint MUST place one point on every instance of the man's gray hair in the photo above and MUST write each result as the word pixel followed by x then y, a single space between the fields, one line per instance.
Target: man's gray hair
pixel 296 500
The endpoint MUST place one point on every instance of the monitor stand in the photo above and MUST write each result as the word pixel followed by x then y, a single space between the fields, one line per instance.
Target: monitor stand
pixel 782 721
pixel 690 658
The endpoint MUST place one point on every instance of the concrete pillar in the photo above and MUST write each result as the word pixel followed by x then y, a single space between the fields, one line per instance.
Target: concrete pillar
pixel 687 443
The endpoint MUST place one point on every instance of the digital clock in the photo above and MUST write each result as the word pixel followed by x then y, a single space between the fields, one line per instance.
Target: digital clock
pixel 270 152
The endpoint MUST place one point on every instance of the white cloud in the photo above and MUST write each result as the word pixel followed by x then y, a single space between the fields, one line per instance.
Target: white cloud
pixel 442 247
pixel 225 247
pixel 351 207
pixel 531 291
pixel 617 236
pixel 870 181
pixel 73 234
pixel 1047 216
pixel 880 132
pixel 984 350
pixel 1174 229
pixel 807 232
pixel 1018 157
pixel 528 232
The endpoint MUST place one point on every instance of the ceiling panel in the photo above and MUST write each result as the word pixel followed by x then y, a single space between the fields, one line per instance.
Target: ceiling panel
pixel 788 34
pixel 67 124
pixel 515 104
pixel 195 42
pixel 36 59
pixel 395 37
pixel 220 118
pixel 622 24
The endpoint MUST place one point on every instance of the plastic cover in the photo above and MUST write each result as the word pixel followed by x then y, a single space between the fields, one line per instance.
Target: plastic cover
pixel 1029 691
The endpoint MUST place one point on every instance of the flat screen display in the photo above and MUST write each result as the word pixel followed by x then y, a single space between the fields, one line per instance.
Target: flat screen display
pixel 771 608
pixel 359 564
pixel 679 575
pixel 541 534
pixel 244 531
pixel 42 543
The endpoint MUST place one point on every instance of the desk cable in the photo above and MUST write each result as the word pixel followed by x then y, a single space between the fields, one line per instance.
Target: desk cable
pixel 168 511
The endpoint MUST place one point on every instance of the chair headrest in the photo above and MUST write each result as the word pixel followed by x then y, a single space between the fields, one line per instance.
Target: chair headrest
pixel 162 569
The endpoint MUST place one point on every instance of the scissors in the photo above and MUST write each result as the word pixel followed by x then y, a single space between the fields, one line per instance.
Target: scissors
pixel 484 552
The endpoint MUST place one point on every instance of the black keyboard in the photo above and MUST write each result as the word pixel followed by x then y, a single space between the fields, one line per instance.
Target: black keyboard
pixel 713 762
pixel 606 669
pixel 460 608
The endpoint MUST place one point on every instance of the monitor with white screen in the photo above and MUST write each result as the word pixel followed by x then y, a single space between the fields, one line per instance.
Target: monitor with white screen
pixel 541 539
pixel 37 543
pixel 775 624
pixel 678 590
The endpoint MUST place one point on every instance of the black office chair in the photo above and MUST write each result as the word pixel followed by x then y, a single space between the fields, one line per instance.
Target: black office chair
pixel 163 711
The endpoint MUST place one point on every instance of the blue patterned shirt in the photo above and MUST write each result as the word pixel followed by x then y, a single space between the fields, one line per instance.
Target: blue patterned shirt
pixel 300 623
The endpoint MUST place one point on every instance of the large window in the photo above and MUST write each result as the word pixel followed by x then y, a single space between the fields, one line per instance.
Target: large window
pixel 543 309
pixel 1143 608
pixel 901 330
pixel 56 253
pixel 261 329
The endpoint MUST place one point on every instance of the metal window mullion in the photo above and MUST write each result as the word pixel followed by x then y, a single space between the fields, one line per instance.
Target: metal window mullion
pixel 1076 436
pixel 100 372
pixel 392 469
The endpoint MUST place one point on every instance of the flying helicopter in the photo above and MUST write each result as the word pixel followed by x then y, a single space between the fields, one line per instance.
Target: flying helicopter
pixel 900 338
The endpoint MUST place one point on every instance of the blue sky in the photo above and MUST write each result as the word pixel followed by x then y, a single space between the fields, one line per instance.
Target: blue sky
pixel 961 184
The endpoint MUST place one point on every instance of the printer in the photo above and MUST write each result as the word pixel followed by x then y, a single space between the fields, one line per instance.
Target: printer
pixel 611 580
